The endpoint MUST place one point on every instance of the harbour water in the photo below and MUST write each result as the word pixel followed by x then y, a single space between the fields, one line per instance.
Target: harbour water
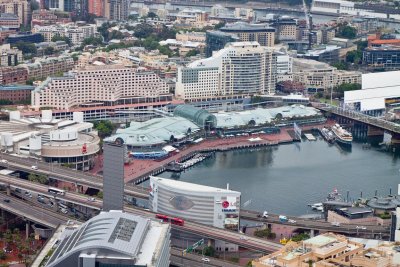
pixel 285 178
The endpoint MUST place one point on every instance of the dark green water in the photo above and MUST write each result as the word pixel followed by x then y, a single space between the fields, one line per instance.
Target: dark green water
pixel 284 179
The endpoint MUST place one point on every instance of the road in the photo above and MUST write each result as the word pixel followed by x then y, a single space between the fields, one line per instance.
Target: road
pixel 43 190
pixel 315 224
pixel 33 213
pixel 64 174
pixel 194 260
pixel 189 227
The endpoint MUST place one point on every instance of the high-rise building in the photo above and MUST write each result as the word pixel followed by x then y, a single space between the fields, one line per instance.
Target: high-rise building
pixel 117 9
pixel 242 68
pixel 113 176
pixel 114 239
pixel 20 8
pixel 96 7
pixel 261 33
pixel 217 40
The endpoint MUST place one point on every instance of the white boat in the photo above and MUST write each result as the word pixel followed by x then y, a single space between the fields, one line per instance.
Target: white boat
pixel 316 206
pixel 341 135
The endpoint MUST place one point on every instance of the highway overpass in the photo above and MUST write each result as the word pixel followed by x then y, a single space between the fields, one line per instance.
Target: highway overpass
pixel 350 229
pixel 65 174
pixel 31 212
pixel 205 231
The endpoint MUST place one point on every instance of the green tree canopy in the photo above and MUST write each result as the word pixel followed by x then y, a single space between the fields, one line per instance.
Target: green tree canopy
pixel 25 47
pixel 49 50
pixel 61 38
pixel 143 30
pixel 347 32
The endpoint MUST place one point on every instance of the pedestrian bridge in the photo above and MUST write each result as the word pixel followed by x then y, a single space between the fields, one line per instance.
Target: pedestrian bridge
pixel 358 116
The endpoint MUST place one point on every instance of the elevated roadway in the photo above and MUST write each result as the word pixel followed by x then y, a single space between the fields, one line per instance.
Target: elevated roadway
pixel 194 260
pixel 64 174
pixel 205 231
pixel 31 212
pixel 349 229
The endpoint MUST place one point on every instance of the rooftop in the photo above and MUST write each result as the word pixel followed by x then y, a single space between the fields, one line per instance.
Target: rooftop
pixel 190 186
pixel 112 234
pixel 243 26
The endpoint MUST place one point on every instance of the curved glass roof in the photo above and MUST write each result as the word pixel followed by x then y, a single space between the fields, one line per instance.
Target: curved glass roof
pixel 198 116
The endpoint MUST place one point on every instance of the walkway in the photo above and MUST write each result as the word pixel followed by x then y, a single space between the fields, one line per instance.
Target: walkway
pixel 354 115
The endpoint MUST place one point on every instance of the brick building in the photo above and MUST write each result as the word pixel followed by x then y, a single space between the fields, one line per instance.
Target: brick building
pixel 16 93
pixel 11 75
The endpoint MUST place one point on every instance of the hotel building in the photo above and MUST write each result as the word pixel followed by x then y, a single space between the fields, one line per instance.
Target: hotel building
pixel 242 68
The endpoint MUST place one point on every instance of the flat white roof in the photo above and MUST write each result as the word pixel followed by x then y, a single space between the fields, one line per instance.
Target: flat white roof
pixel 190 186
pixel 371 99
pixel 381 80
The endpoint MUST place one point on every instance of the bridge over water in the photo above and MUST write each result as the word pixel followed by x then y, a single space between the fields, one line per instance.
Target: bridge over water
pixel 391 127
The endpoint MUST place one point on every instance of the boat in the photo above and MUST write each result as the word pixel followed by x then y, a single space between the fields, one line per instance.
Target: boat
pixel 342 136
pixel 327 135
pixel 334 196
pixel 316 206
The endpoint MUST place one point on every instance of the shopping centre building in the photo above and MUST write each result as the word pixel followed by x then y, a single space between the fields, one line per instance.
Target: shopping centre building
pixel 70 142
pixel 203 204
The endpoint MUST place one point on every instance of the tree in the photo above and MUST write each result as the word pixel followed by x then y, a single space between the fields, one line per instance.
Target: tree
pixel 143 30
pixel 341 65
pixel 115 35
pixel 5 102
pixel 100 194
pixel 347 32
pixel 61 38
pixel 49 50
pixel 152 15
pixel 192 53
pixel 300 237
pixel 40 178
pixel 105 128
pixel 3 255
pixel 8 237
pixel 92 41
pixel 209 251
pixel 26 48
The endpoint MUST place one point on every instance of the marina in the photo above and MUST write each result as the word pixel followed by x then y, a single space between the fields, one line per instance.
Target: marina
pixel 275 184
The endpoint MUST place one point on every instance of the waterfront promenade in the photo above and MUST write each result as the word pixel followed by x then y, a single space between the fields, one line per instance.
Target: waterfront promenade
pixel 139 169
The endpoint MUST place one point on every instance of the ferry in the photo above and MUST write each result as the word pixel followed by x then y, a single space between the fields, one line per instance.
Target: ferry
pixel 341 135
pixel 328 135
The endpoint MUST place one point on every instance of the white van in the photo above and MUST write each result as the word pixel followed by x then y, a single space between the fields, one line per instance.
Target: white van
pixel 265 214
pixel 65 211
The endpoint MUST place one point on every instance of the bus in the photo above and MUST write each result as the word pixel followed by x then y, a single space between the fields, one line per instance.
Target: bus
pixel 57 191
pixel 165 218
pixel 62 205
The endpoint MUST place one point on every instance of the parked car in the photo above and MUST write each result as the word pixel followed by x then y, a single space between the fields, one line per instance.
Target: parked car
pixel 337 224
pixel 34 167
pixel 205 259
pixel 4 161
pixel 6 200
pixel 292 221
pixel 91 199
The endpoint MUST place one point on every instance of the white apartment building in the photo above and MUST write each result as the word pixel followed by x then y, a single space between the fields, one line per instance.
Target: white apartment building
pixel 242 68
pixel 97 84
pixel 76 33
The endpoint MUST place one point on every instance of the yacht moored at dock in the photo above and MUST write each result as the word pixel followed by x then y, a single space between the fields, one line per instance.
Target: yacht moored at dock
pixel 342 136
